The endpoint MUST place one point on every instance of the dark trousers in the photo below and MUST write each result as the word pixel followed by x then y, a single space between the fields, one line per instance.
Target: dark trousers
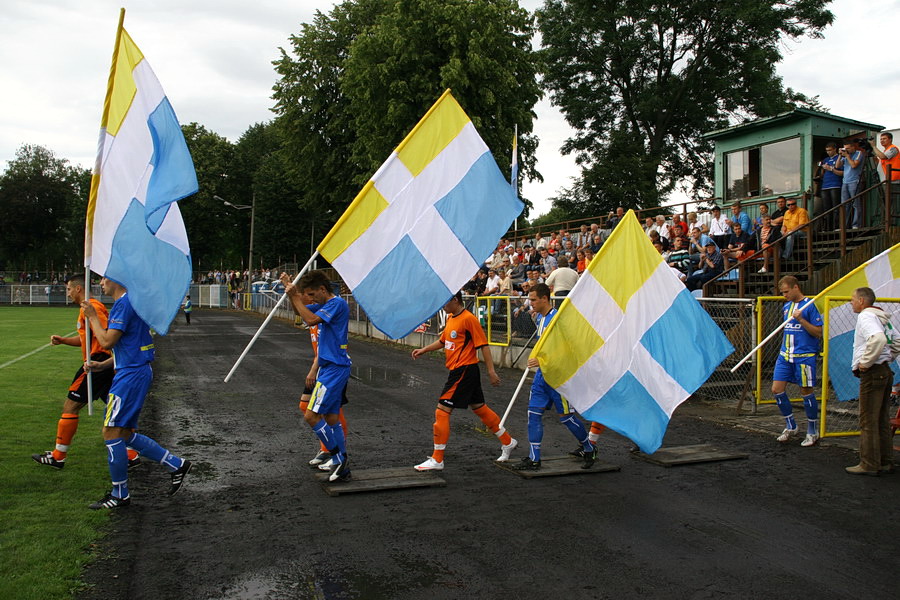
pixel 831 198
pixel 875 443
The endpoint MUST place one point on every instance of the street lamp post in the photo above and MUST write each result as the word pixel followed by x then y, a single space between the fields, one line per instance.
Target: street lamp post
pixel 252 207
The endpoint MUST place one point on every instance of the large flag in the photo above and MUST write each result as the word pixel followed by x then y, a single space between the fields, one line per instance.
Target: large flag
pixel 134 233
pixel 422 225
pixel 882 274
pixel 630 343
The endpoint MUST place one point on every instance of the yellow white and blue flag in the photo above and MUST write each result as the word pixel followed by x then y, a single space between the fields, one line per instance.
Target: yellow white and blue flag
pixel 422 225
pixel 882 274
pixel 630 343
pixel 134 233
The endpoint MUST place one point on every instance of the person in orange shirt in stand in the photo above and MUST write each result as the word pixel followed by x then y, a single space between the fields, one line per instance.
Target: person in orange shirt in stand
pixel 77 397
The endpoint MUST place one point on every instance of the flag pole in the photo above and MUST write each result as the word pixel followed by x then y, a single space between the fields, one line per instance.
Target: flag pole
pixel 269 317
pixel 770 336
pixel 514 396
pixel 92 203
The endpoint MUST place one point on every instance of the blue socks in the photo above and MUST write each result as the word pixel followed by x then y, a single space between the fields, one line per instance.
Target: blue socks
pixel 535 433
pixel 575 425
pixel 811 406
pixel 118 467
pixel 149 448
pixel 784 405
pixel 332 437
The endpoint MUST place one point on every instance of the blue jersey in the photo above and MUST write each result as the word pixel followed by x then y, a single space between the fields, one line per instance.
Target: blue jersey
pixel 797 342
pixel 542 321
pixel 830 180
pixel 335 315
pixel 135 347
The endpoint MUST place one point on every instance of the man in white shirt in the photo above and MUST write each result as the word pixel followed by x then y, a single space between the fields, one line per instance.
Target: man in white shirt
pixel 871 363
pixel 562 279
pixel 719 230
pixel 662 228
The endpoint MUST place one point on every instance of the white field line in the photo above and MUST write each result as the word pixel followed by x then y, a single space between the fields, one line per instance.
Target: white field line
pixel 35 351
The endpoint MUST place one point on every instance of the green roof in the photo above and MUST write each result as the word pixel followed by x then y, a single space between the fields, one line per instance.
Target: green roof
pixel 793 115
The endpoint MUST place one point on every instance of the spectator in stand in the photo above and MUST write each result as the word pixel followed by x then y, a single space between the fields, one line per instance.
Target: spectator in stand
pixel 711 265
pixel 613 219
pixel 595 230
pixel 584 237
pixel 588 256
pixel 850 165
pixel 596 244
pixel 677 231
pixel 659 248
pixel 890 156
pixel 780 210
pixel 541 241
pixel 703 220
pixel 697 246
pixel 568 250
pixel 477 284
pixel 740 245
pixel 767 235
pixel 555 244
pixel 519 273
pixel 649 225
pixel 757 222
pixel 506 284
pixel 679 258
pixel 692 223
pixel 655 237
pixel 719 230
pixel 739 216
pixel 492 285
pixel 529 255
pixel 580 264
pixel 662 228
pixel 832 181
pixel 547 261
pixel 677 222
pixel 794 219
pixel 563 279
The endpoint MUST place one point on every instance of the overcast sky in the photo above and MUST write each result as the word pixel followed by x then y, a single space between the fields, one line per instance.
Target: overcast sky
pixel 213 59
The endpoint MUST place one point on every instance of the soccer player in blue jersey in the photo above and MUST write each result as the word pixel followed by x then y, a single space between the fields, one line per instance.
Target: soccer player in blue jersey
pixel 128 337
pixel 543 396
pixel 796 361
pixel 332 315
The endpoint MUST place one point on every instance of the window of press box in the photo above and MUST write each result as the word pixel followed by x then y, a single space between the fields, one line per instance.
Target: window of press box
pixel 763 171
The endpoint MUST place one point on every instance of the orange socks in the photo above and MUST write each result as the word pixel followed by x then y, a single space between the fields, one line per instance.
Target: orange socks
pixel 65 431
pixel 492 421
pixel 441 433
pixel 596 430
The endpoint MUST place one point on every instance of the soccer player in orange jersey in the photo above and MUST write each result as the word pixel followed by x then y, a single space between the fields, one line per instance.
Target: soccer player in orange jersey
pixel 77 397
pixel 461 339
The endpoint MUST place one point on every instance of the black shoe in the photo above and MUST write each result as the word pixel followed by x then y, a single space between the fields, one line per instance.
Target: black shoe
pixel 178 477
pixel 46 458
pixel 580 452
pixel 341 471
pixel 527 464
pixel 110 501
pixel 134 462
pixel 589 459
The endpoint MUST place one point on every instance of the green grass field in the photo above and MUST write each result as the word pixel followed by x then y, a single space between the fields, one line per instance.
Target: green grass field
pixel 46 529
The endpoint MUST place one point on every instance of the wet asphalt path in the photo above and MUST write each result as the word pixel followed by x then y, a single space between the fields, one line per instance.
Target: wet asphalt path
pixel 253 523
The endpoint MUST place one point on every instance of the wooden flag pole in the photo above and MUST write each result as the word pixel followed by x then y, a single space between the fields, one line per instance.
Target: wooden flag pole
pixel 269 317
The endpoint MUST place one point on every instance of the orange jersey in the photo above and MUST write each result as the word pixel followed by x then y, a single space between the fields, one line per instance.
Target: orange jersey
pixel 103 315
pixel 462 336
pixel 314 338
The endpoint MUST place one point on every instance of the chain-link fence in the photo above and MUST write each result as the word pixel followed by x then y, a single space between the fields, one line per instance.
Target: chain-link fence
pixel 736 318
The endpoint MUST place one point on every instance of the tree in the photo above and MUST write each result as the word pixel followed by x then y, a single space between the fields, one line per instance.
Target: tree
pixel 359 78
pixel 640 81
pixel 43 201
pixel 212 227
pixel 480 50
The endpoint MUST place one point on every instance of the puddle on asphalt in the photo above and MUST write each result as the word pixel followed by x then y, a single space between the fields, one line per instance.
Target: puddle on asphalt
pixel 380 377
pixel 326 584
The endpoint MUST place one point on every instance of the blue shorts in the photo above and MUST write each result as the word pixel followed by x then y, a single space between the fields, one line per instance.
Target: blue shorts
pixel 802 371
pixel 126 396
pixel 543 396
pixel 329 390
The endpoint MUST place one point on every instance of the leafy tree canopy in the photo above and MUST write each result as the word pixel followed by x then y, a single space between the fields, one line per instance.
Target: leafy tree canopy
pixel 640 81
